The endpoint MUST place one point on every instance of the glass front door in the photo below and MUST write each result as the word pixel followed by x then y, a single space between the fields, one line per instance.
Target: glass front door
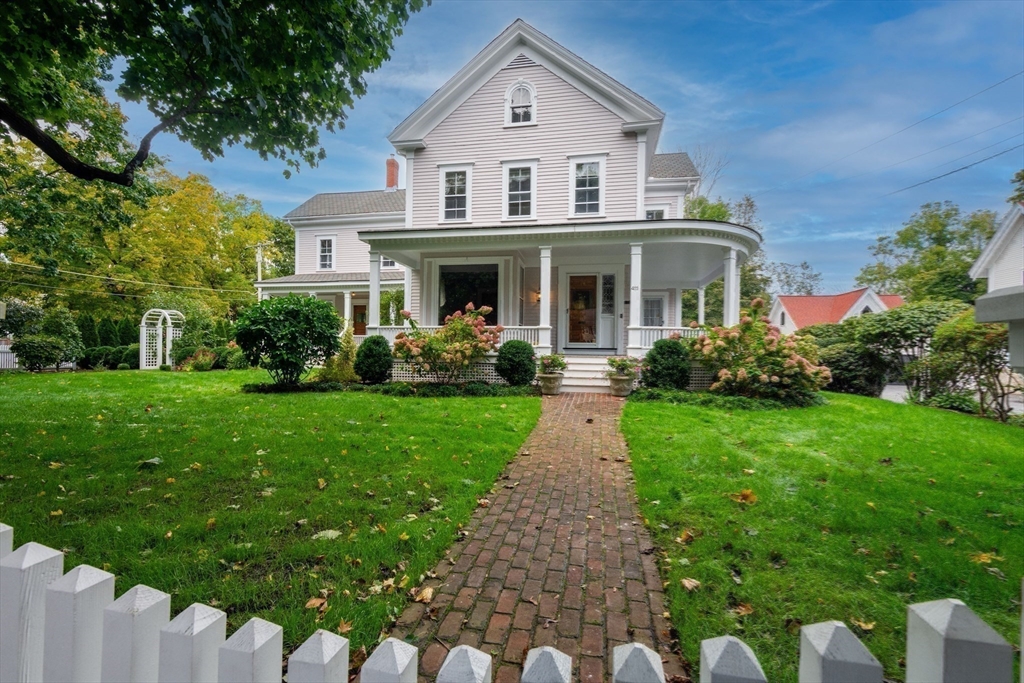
pixel 583 309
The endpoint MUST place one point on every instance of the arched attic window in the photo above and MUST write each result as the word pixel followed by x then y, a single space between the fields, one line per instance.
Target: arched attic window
pixel 520 104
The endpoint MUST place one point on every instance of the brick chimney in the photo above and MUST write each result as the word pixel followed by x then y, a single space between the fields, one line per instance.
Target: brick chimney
pixel 392 174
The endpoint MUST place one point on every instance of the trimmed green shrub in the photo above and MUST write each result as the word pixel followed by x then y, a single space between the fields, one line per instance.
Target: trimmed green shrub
pixel 38 351
pixel 666 366
pixel 855 369
pixel 113 357
pixel 961 402
pixel 58 322
pixel 107 331
pixel 516 363
pixel 706 399
pixel 181 353
pixel 164 367
pixel 373 360
pixel 220 361
pixel 237 360
pixel 123 366
pixel 131 356
pixel 288 335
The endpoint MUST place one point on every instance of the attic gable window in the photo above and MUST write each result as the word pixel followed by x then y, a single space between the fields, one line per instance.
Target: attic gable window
pixel 520 104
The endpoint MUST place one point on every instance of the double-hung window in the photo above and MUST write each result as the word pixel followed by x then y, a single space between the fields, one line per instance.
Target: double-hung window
pixel 586 186
pixel 520 189
pixel 386 262
pixel 655 214
pixel 654 311
pixel 325 253
pixel 456 192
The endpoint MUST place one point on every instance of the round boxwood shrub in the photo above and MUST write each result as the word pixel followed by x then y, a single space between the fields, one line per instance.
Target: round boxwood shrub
pixel 38 351
pixel 373 360
pixel 180 353
pixel 123 366
pixel 516 363
pixel 94 357
pixel 131 356
pixel 114 357
pixel 855 369
pixel 666 366
pixel 288 335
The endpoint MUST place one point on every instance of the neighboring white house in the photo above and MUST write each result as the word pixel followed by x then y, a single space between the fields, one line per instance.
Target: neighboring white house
pixel 532 186
pixel 1002 263
pixel 790 312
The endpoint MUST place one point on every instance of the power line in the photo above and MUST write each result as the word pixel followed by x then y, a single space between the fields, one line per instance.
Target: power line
pixel 962 168
pixel 68 289
pixel 134 282
pixel 994 144
pixel 901 130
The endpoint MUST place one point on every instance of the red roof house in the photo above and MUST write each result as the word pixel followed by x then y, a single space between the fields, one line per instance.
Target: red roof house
pixel 792 311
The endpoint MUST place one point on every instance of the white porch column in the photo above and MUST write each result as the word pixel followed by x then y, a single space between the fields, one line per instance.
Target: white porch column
pixel 730 299
pixel 346 306
pixel 736 294
pixel 636 299
pixel 700 306
pixel 373 307
pixel 407 296
pixel 641 173
pixel 544 347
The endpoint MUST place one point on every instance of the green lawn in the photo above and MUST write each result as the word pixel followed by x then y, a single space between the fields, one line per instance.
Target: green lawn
pixel 228 517
pixel 863 507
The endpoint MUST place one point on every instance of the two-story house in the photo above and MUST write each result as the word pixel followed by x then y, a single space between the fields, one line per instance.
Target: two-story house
pixel 532 186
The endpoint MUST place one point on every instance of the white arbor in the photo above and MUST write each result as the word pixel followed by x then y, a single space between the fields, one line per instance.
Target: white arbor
pixel 157 332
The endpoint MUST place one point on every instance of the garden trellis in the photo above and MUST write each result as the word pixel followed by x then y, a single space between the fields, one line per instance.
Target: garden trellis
pixel 157 332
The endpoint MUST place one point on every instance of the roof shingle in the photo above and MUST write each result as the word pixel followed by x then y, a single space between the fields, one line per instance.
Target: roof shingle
pixel 350 203
pixel 673 165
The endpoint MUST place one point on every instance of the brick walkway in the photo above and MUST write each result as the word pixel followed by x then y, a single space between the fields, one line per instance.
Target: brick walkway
pixel 558 558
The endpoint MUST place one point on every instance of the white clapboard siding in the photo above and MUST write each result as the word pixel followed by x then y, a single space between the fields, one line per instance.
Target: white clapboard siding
pixel 67 627
pixel 568 123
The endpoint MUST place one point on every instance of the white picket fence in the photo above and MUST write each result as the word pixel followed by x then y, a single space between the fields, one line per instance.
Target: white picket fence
pixel 63 628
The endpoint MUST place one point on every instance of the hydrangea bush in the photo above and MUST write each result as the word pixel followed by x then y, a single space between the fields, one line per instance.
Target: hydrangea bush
pixel 756 360
pixel 444 355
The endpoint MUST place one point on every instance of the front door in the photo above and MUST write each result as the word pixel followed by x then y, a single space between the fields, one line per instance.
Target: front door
pixel 359 320
pixel 582 313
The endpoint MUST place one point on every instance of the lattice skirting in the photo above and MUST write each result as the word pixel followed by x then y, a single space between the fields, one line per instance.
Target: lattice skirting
pixel 700 378
pixel 481 371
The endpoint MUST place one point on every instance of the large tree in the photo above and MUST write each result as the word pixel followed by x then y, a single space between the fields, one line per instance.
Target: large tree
pixel 214 72
pixel 930 256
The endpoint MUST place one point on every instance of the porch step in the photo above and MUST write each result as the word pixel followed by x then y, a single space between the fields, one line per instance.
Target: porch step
pixel 586 374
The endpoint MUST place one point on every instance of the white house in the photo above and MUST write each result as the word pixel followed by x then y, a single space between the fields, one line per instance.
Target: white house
pixel 532 186
pixel 1002 263
pixel 790 312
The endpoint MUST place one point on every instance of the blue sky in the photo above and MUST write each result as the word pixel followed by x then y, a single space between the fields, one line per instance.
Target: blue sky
pixel 784 90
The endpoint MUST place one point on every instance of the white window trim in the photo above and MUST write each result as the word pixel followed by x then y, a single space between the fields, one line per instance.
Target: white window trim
pixel 506 166
pixel 508 104
pixel 448 168
pixel 394 263
pixel 601 160
pixel 658 207
pixel 664 306
pixel 334 253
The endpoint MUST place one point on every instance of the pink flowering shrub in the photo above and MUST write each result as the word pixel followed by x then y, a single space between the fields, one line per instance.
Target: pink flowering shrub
pixel 443 356
pixel 756 360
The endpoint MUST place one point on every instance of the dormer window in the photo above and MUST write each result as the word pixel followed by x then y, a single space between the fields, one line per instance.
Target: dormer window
pixel 520 104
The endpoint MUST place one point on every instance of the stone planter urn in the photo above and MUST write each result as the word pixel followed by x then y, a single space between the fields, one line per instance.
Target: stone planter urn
pixel 622 385
pixel 550 383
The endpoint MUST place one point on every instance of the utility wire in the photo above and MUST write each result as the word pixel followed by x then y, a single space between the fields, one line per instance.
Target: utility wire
pixel 901 130
pixel 134 282
pixel 67 289
pixel 994 144
pixel 962 168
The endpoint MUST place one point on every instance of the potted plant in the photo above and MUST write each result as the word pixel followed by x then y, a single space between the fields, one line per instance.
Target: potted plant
pixel 622 374
pixel 550 373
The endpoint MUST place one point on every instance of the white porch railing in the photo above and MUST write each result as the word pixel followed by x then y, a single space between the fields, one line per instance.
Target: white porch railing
pixel 649 335
pixel 528 334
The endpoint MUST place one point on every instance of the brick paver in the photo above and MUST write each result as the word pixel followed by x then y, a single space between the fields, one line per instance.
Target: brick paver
pixel 559 557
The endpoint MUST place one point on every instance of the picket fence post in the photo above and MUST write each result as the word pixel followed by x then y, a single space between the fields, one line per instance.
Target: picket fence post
pixel 323 658
pixel 830 653
pixel 948 643
pixel 189 645
pixel 74 625
pixel 131 635
pixel 24 575
pixel 252 654
pixel 636 663
pixel 728 659
pixel 6 540
pixel 546 665
pixel 465 664
pixel 393 661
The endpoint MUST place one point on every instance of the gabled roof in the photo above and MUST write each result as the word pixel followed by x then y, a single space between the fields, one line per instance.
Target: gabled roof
pixel 997 245
pixel 350 203
pixel 673 165
pixel 829 308
pixel 521 38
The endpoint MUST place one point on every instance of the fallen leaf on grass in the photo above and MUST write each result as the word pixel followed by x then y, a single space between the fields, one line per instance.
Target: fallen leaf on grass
pixel 425 595
pixel 56 513
pixel 321 484
pixel 994 571
pixel 862 625
pixel 690 584
pixel 315 603
pixel 793 626
pixel 326 535
pixel 685 537
pixel 748 471
pixel 872 506
pixel 344 627
pixel 743 609
pixel 168 534
pixel 984 558
pixel 211 523
pixel 746 497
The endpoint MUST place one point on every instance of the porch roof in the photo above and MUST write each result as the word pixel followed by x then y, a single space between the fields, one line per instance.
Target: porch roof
pixel 722 233
pixel 333 278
